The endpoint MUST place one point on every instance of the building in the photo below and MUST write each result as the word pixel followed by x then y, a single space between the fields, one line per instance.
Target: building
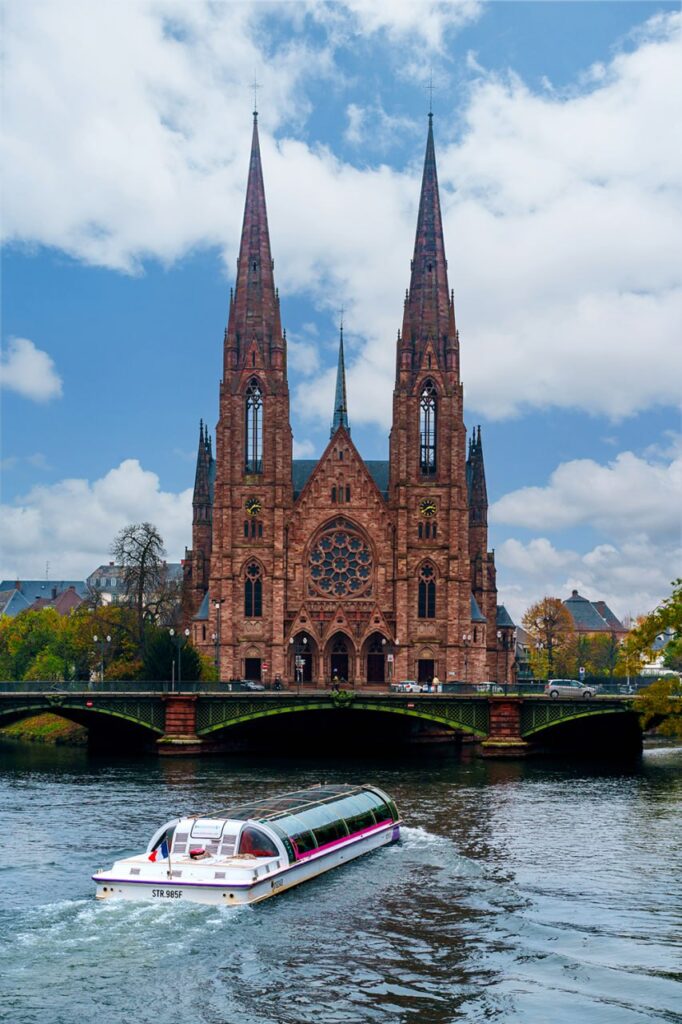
pixel 593 617
pixel 22 595
pixel 369 571
pixel 107 581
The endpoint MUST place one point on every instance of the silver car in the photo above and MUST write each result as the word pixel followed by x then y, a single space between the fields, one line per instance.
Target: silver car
pixel 568 688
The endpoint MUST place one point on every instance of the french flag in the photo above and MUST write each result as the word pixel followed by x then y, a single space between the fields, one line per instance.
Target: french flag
pixel 160 853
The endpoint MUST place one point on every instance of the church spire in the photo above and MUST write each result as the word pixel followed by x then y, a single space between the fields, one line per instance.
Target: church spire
pixel 340 403
pixel 476 486
pixel 428 312
pixel 203 498
pixel 254 308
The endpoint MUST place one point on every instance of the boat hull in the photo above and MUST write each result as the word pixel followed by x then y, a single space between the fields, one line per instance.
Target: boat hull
pixel 226 893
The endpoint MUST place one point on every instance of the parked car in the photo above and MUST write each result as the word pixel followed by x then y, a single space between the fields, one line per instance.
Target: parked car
pixel 408 686
pixel 568 688
pixel 250 684
pixel 488 688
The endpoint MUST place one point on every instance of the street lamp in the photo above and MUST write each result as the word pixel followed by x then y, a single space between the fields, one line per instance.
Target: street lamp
pixel 102 640
pixel 300 648
pixel 466 641
pixel 389 654
pixel 179 639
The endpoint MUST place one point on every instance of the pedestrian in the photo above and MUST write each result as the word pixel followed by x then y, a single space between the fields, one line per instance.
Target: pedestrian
pixel 436 685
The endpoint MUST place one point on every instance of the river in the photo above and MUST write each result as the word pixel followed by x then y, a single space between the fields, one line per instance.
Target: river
pixel 529 892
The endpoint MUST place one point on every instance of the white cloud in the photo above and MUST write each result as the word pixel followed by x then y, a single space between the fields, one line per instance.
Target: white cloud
pixel 72 523
pixel 561 208
pixel 304 449
pixel 632 578
pixel 29 371
pixel 634 502
pixel 629 495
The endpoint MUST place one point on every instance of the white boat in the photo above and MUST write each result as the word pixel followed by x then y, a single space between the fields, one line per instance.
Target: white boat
pixel 252 851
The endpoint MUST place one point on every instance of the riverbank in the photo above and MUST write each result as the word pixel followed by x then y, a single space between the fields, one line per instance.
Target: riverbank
pixel 50 729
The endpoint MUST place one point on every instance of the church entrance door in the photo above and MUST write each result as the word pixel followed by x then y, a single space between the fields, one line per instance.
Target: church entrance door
pixel 425 668
pixel 375 659
pixel 340 658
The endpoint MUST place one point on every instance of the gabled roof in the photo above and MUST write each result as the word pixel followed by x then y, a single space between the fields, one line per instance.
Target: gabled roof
pixel 606 614
pixel 12 602
pixel 32 589
pixel 301 470
pixel 584 614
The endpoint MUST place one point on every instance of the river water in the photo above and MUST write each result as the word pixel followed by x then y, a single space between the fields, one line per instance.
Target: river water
pixel 529 892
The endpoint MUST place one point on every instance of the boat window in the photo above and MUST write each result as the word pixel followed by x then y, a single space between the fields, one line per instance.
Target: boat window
pixel 294 829
pixel 252 840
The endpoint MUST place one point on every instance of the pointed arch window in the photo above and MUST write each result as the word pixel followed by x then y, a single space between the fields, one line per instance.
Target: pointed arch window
pixel 253 591
pixel 253 432
pixel 426 608
pixel 427 428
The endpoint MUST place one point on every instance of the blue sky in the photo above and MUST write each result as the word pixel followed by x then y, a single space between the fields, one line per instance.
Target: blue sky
pixel 125 150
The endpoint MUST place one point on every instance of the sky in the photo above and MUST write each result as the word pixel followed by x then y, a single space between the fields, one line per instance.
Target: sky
pixel 125 146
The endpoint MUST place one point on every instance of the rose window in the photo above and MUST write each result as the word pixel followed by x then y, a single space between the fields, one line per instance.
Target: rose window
pixel 340 563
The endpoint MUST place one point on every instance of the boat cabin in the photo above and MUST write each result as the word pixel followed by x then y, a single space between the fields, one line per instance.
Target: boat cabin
pixel 295 826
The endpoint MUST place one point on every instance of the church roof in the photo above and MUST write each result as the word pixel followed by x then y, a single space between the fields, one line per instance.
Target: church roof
pixel 203 609
pixel 301 470
pixel 476 613
pixel 503 618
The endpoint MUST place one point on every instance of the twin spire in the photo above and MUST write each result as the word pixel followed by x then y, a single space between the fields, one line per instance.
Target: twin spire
pixel 254 327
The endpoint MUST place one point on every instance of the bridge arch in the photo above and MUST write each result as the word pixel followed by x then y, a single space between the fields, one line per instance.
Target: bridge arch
pixel 144 713
pixel 471 717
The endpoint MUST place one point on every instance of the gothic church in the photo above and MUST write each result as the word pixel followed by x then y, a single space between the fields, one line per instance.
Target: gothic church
pixel 371 571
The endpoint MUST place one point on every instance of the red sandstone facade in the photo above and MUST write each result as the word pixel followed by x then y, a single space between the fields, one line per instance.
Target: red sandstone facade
pixel 371 572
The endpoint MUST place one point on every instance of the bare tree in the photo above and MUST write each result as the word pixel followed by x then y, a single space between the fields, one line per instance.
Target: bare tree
pixel 138 549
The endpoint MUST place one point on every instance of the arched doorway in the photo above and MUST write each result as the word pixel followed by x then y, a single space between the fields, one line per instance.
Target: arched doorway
pixel 376 658
pixel 340 658
pixel 303 650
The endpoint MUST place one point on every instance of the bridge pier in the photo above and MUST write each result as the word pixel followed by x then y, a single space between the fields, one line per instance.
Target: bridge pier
pixel 504 738
pixel 180 736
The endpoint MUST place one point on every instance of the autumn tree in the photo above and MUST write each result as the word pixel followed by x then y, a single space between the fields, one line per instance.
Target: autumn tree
pixel 664 619
pixel 550 627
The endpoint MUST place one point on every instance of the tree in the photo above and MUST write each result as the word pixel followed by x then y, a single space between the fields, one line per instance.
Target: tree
pixel 660 706
pixel 138 549
pixel 160 654
pixel 550 627
pixel 666 618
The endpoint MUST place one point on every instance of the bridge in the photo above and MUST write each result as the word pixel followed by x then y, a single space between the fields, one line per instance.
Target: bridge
pixel 206 720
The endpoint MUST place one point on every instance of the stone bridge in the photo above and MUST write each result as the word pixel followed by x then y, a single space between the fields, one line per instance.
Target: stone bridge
pixel 204 721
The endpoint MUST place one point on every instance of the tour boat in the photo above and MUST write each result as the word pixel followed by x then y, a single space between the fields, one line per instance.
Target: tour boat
pixel 254 850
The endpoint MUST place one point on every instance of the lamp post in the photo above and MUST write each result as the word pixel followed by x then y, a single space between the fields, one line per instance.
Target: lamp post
pixel 300 648
pixel 179 639
pixel 216 637
pixel 466 641
pixel 389 654
pixel 102 640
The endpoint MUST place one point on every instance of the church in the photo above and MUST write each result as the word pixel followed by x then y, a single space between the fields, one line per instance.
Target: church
pixel 368 572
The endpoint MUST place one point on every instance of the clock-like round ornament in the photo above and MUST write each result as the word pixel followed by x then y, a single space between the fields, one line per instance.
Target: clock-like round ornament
pixel 253 506
pixel 428 508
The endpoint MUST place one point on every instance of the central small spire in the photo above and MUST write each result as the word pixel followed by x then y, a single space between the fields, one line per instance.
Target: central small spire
pixel 340 403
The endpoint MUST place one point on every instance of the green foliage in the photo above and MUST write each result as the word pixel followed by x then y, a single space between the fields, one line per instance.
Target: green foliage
pixel 161 652
pixel 46 665
pixel 668 616
pixel 209 673
pixel 660 706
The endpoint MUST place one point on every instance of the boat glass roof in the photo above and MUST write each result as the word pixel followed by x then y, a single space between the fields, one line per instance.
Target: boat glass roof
pixel 289 803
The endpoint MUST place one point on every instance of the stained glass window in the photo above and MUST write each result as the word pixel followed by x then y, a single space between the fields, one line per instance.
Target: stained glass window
pixel 427 593
pixel 253 428
pixel 253 592
pixel 340 562
pixel 427 428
